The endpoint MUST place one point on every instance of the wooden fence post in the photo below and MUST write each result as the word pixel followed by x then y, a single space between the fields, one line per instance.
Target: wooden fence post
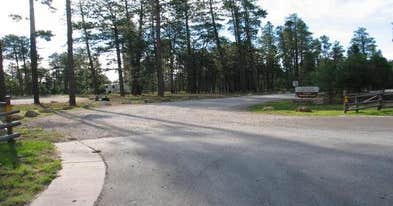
pixel 380 101
pixel 6 122
pixel 3 89
pixel 357 104
pixel 346 101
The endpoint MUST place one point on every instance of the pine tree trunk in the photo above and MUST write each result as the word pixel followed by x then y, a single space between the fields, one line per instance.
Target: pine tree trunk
pixel 218 45
pixel 136 87
pixel 171 66
pixel 87 42
pixel 250 48
pixel 3 89
pixel 26 72
pixel 18 73
pixel 127 60
pixel 192 76
pixel 239 44
pixel 297 76
pixel 34 55
pixel 119 64
pixel 160 75
pixel 70 57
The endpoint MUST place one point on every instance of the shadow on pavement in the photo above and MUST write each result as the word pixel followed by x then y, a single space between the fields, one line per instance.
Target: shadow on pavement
pixel 191 164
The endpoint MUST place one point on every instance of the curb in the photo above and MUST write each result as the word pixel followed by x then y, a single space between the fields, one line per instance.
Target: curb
pixel 80 181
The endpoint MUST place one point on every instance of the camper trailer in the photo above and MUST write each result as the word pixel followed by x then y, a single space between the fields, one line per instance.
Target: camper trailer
pixel 114 88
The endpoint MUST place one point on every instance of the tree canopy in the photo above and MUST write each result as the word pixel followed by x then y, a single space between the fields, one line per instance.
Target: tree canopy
pixel 196 46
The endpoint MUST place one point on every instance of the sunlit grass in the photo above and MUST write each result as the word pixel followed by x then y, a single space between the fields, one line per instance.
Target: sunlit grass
pixel 288 107
pixel 148 98
pixel 26 168
pixel 29 164
pixel 50 108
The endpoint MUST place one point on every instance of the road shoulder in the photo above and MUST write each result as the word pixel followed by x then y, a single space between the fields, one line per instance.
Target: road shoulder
pixel 80 181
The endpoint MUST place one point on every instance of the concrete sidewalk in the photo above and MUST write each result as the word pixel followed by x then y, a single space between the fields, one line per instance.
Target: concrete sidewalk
pixel 80 181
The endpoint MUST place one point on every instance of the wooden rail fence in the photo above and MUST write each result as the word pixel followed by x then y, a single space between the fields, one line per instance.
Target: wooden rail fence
pixel 378 100
pixel 6 124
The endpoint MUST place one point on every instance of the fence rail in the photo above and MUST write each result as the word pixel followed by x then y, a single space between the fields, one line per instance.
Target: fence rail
pixel 378 100
pixel 6 125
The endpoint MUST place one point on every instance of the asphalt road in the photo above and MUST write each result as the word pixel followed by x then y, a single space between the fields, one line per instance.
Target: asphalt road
pixel 210 152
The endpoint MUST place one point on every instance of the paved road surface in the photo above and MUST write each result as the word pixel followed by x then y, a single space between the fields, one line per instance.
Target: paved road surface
pixel 209 152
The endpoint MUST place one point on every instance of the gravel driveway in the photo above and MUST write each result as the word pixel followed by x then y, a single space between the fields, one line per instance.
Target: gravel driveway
pixel 209 152
pixel 45 99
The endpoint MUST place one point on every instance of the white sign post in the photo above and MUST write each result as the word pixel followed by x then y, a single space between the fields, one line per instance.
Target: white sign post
pixel 307 92
pixel 295 84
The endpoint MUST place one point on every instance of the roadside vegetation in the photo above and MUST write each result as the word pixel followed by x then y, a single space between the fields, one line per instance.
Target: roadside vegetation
pixel 51 108
pixel 200 47
pixel 28 165
pixel 289 108
pixel 149 98
pixel 185 52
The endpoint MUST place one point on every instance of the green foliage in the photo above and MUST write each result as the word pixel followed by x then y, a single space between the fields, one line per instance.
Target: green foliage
pixel 380 73
pixel 195 54
pixel 17 50
pixel 297 48
pixel 39 134
pixel 289 108
pixel 149 98
pixel 56 80
pixel 26 168
pixel 46 35
pixel 358 71
pixel 326 76
pixel 15 17
pixel 363 42
pixel 11 85
pixel 270 56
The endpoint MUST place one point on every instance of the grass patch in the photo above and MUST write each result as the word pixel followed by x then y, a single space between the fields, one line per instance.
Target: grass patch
pixel 28 165
pixel 288 107
pixel 149 98
pixel 39 134
pixel 26 168
pixel 50 108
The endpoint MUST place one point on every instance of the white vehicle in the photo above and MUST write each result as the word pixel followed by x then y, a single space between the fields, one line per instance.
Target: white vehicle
pixel 114 88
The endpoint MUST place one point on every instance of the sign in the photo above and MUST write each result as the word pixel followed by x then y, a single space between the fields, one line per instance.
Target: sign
pixel 8 108
pixel 346 99
pixel 307 92
pixel 295 84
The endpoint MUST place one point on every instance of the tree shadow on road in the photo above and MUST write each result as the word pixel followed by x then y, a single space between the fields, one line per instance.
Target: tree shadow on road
pixel 235 167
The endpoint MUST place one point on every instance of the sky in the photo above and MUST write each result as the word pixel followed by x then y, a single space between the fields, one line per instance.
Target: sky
pixel 334 18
